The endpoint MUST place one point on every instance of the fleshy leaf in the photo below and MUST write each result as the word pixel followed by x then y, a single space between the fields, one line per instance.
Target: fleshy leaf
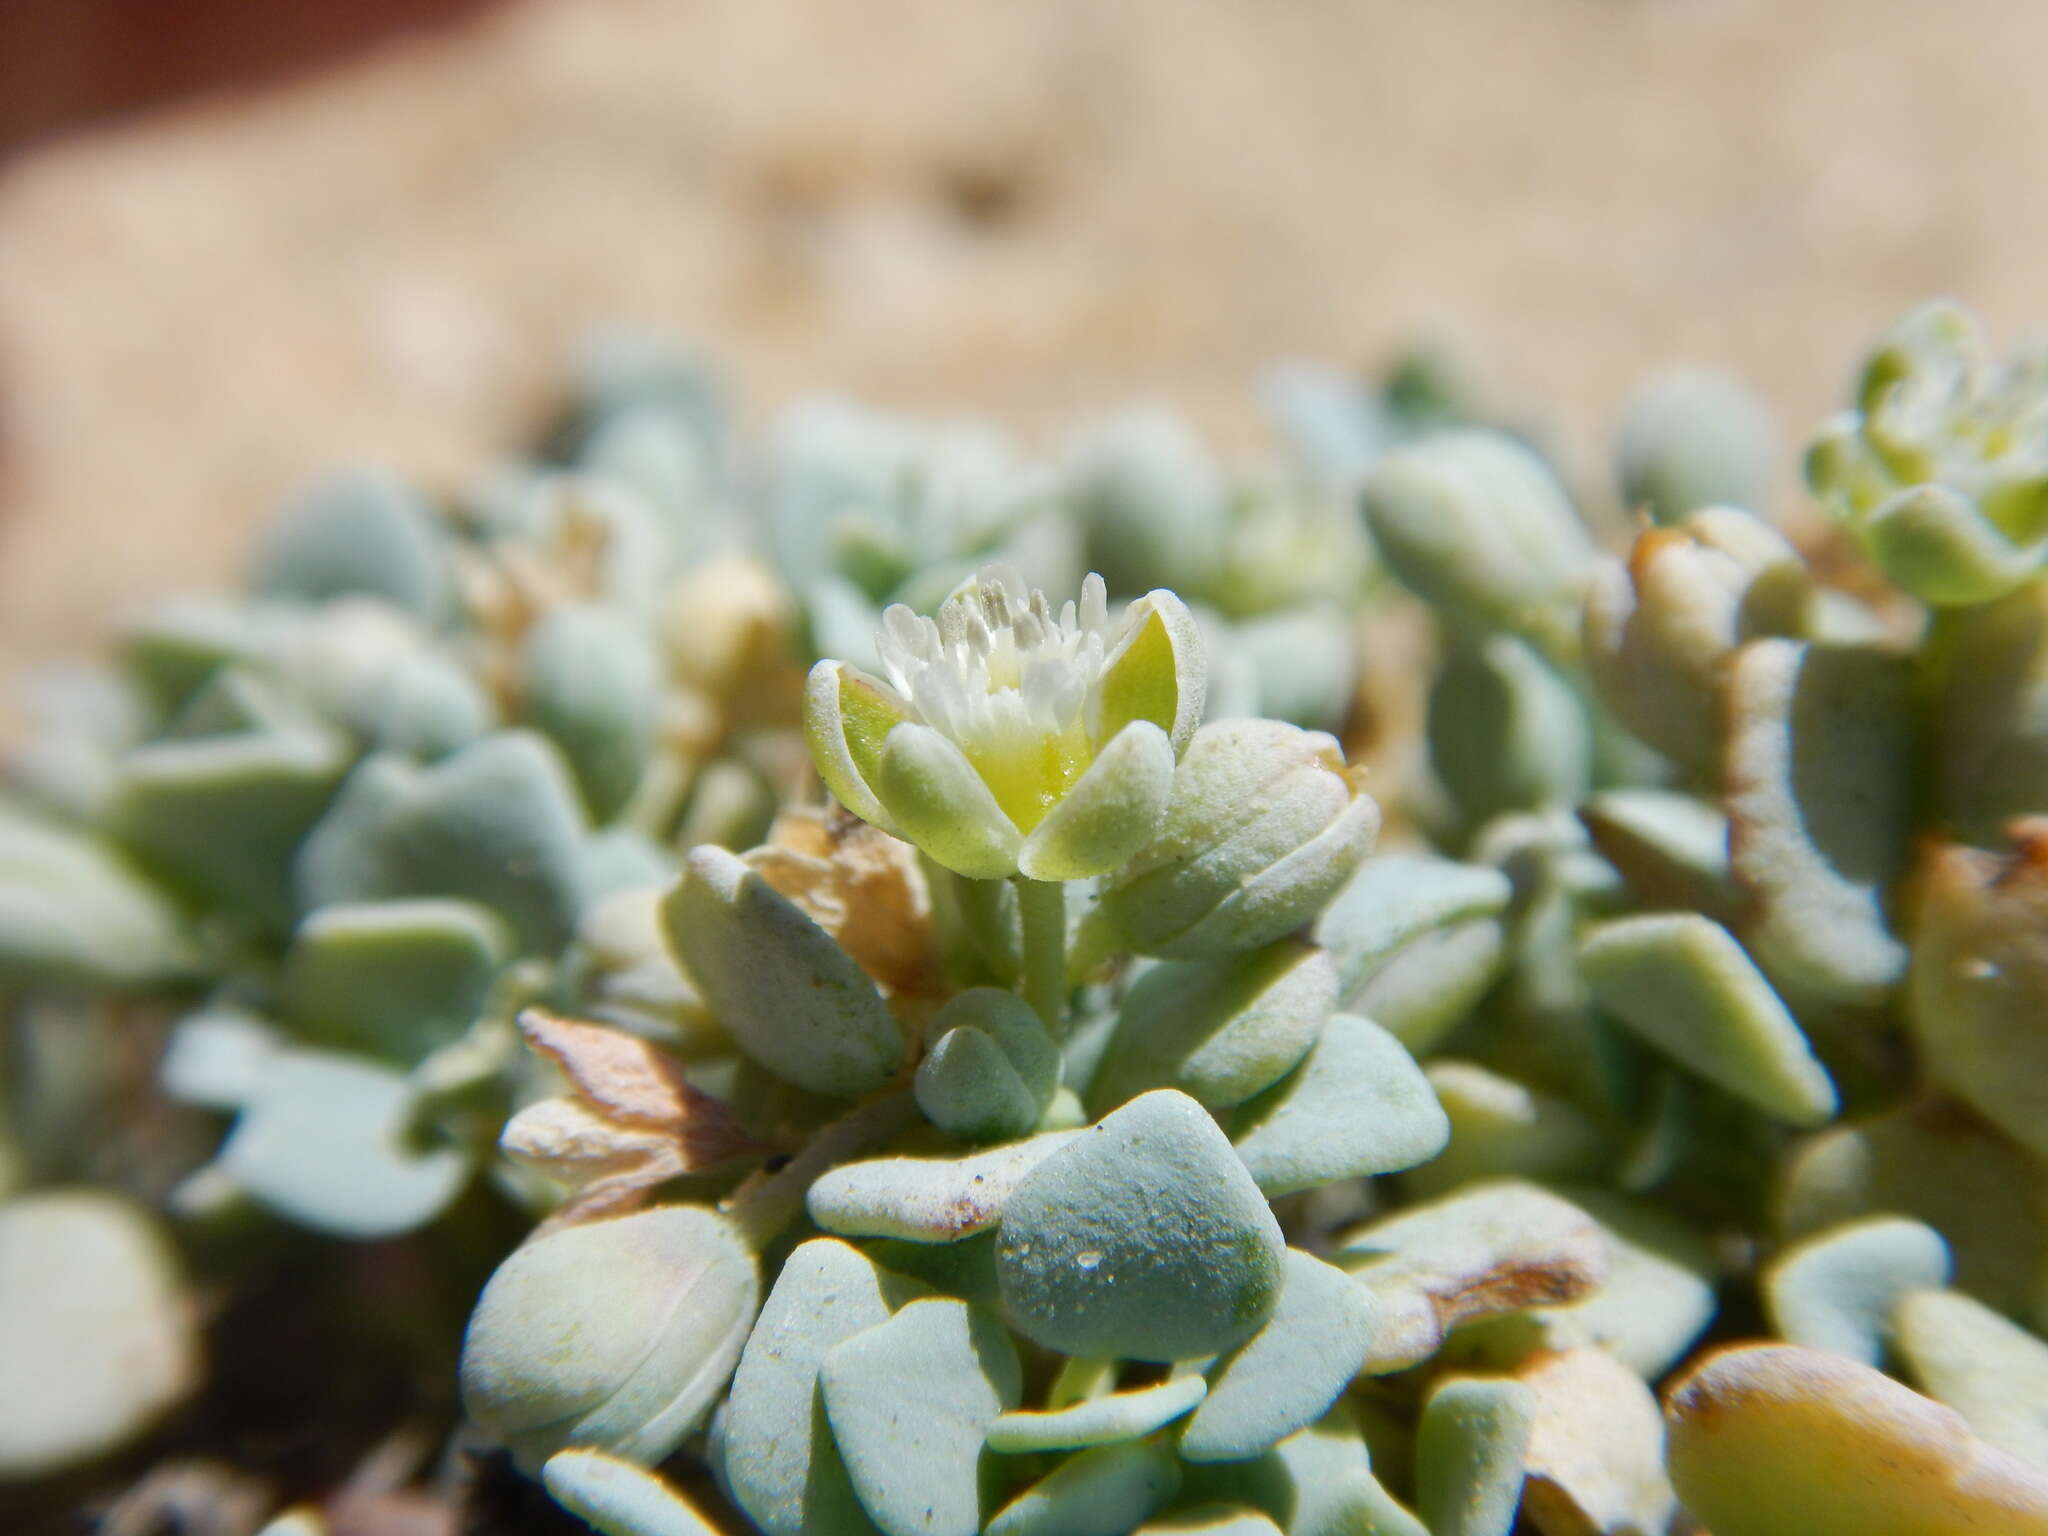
pixel 1683 984
pixel 1264 825
pixel 1659 626
pixel 1658 1296
pixel 1286 1375
pixel 216 1057
pixel 927 1199
pixel 97 1337
pixel 1468 1455
pixel 1431 984
pixel 1595 1458
pixel 497 823
pixel 222 816
pixel 1476 524
pixel 1107 1491
pixel 615 1334
pixel 910 1401
pixel 1218 1030
pixel 1506 732
pixel 1837 1291
pixel 617 1498
pixel 1980 981
pixel 324 1140
pixel 791 999
pixel 781 1462
pixel 1937 1164
pixel 1211 1520
pixel 1487 1250
pixel 1331 1487
pixel 1989 1369
pixel 1394 899
pixel 72 910
pixel 593 684
pixel 1102 1420
pixel 1142 1237
pixel 1818 783
pixel 1775 1440
pixel 1988 739
pixel 968 1088
pixel 1356 1105
pixel 1694 437
pixel 359 533
pixel 992 1068
pixel 1671 848
pixel 1501 1127
pixel 395 978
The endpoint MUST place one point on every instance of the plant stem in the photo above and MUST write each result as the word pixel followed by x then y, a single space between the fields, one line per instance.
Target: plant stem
pixel 1042 913
pixel 1080 1380
pixel 764 1205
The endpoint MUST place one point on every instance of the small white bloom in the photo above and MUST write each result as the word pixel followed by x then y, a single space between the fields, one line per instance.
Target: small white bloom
pixel 1010 736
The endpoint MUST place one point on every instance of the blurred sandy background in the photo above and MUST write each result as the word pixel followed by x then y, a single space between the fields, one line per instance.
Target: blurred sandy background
pixel 1028 209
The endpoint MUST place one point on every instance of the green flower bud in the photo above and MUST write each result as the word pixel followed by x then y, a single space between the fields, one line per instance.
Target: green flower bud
pixel 616 1334
pixel 1014 740
pixel 1266 824
pixel 1942 467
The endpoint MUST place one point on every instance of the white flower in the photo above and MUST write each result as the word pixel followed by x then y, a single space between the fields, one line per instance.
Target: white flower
pixel 1010 738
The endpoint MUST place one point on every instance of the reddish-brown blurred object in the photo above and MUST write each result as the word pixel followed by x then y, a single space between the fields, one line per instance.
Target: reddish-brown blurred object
pixel 69 61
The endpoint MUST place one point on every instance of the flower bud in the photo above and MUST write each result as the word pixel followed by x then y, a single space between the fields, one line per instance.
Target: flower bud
pixel 1265 824
pixel 616 1334
pixel 1941 468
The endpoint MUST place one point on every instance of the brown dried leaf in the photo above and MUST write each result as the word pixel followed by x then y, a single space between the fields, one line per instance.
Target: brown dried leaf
pixel 632 1122
pixel 620 1076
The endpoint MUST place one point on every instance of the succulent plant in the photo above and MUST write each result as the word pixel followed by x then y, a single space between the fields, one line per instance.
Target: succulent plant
pixel 1095 1112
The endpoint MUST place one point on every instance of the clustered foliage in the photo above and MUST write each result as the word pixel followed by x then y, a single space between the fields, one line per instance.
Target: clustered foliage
pixel 1091 1118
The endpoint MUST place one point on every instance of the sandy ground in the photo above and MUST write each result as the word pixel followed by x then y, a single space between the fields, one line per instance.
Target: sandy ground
pixel 1032 210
